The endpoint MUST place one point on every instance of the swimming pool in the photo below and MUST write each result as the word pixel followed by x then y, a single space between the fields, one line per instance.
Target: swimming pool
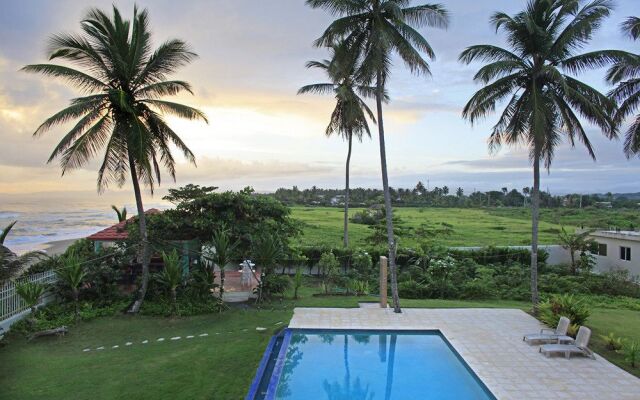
pixel 304 364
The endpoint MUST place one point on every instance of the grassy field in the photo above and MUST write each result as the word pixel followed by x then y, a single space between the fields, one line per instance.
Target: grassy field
pixel 471 227
pixel 213 367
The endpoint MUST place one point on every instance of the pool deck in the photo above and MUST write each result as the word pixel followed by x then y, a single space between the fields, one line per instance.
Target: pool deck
pixel 490 341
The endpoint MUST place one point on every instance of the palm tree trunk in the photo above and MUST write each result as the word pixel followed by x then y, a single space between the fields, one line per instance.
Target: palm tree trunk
pixel 142 224
pixel 387 198
pixel 535 210
pixel 346 195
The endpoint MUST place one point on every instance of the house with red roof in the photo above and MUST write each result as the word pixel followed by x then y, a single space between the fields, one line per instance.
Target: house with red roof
pixel 115 233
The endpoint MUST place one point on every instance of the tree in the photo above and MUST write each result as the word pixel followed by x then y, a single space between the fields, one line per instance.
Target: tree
pixel 542 100
pixel 459 192
pixel 11 264
pixel 574 242
pixel 267 252
pixel 349 117
pixel 122 113
pixel 171 276
pixel 370 31
pixel 225 251
pixel 72 275
pixel 122 214
pixel 625 73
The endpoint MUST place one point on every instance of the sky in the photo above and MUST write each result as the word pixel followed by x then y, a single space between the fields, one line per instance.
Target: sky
pixel 252 57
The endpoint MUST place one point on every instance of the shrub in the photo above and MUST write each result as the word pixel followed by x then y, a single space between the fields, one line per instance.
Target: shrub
pixel 201 283
pixel 297 282
pixel 564 305
pixel 275 284
pixel 632 353
pixel 612 342
pixel 412 290
pixel 481 287
pixel 328 269
pixel 185 307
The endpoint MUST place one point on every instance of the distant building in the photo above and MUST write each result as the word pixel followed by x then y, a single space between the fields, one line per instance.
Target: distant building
pixel 603 204
pixel 336 200
pixel 617 250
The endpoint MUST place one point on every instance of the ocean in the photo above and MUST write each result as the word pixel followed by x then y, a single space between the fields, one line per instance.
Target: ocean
pixel 38 225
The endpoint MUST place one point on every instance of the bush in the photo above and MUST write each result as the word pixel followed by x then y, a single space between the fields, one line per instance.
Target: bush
pixel 275 284
pixel 482 286
pixel 412 290
pixel 564 306
pixel 185 307
pixel 612 342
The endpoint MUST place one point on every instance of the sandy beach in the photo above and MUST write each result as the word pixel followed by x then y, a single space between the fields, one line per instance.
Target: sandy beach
pixel 58 247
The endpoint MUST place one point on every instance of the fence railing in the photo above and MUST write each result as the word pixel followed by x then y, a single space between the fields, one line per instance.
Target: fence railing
pixel 10 303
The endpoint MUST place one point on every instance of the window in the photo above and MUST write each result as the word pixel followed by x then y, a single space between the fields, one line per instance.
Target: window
pixel 602 249
pixel 625 253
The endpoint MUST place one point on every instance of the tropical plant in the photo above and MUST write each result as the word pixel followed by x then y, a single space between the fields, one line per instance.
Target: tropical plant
pixel 171 276
pixel 30 293
pixel 267 253
pixel 297 282
pixel 369 32
pixel 564 305
pixel 632 353
pixel 544 41
pixel 625 73
pixel 5 231
pixel 575 242
pixel 328 268
pixel 612 342
pixel 225 251
pixel 122 214
pixel 72 275
pixel 122 113
pixel 349 117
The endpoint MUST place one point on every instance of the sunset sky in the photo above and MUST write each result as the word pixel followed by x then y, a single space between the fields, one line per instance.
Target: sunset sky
pixel 261 134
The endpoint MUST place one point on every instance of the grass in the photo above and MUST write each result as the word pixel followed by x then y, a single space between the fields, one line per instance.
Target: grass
pixel 471 227
pixel 213 367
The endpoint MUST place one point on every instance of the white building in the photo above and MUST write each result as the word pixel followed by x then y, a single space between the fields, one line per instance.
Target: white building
pixel 617 250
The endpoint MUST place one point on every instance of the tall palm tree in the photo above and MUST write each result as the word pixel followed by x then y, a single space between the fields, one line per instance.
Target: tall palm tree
pixel 543 40
pixel 371 31
pixel 11 264
pixel 349 117
pixel 123 79
pixel 626 74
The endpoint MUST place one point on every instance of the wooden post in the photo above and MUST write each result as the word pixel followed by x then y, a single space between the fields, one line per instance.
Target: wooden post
pixel 383 282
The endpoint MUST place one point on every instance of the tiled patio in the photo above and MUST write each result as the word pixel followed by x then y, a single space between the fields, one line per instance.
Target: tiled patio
pixel 490 340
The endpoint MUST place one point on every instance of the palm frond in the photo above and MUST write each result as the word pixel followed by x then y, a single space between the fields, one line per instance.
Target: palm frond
pixel 78 79
pixel 177 109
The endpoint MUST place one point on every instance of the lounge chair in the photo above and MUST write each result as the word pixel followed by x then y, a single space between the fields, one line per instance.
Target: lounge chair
pixel 546 335
pixel 579 347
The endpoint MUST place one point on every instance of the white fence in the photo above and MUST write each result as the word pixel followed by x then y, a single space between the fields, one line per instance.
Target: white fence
pixel 11 304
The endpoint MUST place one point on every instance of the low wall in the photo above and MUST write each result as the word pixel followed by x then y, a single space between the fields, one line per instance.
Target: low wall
pixel 557 255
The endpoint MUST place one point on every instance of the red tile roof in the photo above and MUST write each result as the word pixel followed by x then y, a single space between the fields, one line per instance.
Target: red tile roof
pixel 118 231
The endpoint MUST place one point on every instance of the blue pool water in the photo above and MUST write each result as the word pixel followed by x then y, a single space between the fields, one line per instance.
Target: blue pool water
pixel 371 365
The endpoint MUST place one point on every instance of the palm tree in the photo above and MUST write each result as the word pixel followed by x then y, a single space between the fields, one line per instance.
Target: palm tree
pixel 122 214
pixel 224 253
pixel 370 31
pixel 11 264
pixel 626 74
pixel 171 276
pixel 349 117
pixel 72 274
pixel 574 242
pixel 122 113
pixel 542 100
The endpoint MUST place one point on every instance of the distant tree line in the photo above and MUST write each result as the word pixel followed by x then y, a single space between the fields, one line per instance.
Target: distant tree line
pixel 445 196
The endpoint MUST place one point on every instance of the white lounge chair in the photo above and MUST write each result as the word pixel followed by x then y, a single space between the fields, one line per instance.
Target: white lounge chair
pixel 546 335
pixel 579 347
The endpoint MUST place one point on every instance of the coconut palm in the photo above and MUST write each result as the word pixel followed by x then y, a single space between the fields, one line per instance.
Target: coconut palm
pixel 543 45
pixel 371 31
pixel 349 117
pixel 72 275
pixel 574 242
pixel 122 114
pixel 625 73
pixel 122 214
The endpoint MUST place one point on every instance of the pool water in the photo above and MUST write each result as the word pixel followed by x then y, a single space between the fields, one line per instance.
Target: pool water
pixel 371 365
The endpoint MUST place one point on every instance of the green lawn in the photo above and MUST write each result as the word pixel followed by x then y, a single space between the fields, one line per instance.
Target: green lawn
pixel 471 227
pixel 213 367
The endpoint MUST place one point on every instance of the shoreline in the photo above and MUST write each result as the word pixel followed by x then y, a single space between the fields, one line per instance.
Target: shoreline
pixel 58 247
